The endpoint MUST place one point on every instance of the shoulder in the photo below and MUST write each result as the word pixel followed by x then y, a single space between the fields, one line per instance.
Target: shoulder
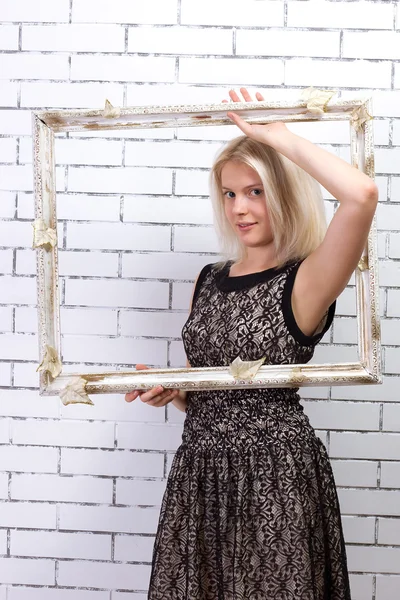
pixel 202 276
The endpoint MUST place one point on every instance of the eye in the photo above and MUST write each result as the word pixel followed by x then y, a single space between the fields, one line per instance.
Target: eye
pixel 256 192
pixel 229 194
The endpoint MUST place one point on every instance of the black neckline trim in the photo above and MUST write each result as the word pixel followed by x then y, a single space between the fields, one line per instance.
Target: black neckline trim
pixel 225 283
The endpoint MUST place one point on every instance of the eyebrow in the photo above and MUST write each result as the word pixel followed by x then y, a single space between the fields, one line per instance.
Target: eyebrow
pixel 246 187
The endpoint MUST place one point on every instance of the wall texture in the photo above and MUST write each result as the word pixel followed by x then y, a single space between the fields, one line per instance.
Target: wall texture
pixel 80 487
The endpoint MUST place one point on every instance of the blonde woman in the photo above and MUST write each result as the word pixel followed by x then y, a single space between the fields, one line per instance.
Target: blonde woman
pixel 250 510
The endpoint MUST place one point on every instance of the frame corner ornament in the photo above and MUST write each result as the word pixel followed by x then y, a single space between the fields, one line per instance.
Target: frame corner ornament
pixel 51 362
pixel 74 392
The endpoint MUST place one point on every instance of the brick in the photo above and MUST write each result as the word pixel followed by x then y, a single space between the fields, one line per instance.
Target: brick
pixel 75 207
pixel 386 44
pixel 180 40
pixel 168 210
pixel 16 233
pixel 387 161
pixel 373 559
pixel 390 475
pixel 170 154
pixel 192 183
pixel 152 324
pixel 386 103
pixel 387 586
pixel 386 217
pixel 70 94
pixel 74 38
pixel 396 76
pixel 101 264
pixel 118 236
pixel 134 548
pixel 149 437
pixel 177 354
pixel 5 374
pixel 337 73
pixel 359 530
pixel 105 575
pixel 127 596
pixel 28 458
pixel 153 12
pixel 115 463
pixel 359 15
pixel 367 445
pixel 7 205
pixel 160 265
pixel 389 273
pixel 63 433
pixel 26 403
pixel 343 415
pixel 287 43
pixel 15 122
pixel 124 180
pixel 25 375
pixel 4 431
pixel 8 97
pixel 20 178
pixel 117 293
pixel 60 545
pixel 369 502
pixel 52 593
pixel 391 417
pixel 4 486
pixel 326 353
pixel 6 261
pixel 232 13
pixel 79 152
pixel 385 392
pixel 393 306
pixel 345 331
pixel 9 37
pixel 361 586
pixel 181 295
pixel 121 350
pixel 195 239
pixel 113 519
pixel 135 492
pixel 28 515
pixel 396 131
pixel 33 66
pixel 89 321
pixel 19 346
pixel 353 473
pixel 21 570
pixel 8 149
pixel 388 531
pixel 25 11
pixel 231 71
pixel 122 68
pixel 57 488
pixel 392 360
pixel 3 550
pixel 394 245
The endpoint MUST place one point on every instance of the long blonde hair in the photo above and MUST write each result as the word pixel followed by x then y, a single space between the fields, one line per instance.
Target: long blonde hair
pixel 294 201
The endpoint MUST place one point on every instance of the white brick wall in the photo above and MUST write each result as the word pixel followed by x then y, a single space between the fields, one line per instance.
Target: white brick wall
pixel 81 486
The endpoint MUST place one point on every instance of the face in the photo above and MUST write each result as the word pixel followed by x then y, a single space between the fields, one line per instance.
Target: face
pixel 245 204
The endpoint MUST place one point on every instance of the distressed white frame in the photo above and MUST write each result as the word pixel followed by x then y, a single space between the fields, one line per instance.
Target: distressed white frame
pixel 45 124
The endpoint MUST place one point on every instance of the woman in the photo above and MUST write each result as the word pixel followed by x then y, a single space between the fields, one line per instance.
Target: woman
pixel 250 510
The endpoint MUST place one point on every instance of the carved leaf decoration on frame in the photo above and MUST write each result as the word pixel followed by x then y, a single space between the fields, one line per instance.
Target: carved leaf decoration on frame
pixel 42 235
pixel 51 362
pixel 75 392
pixel 245 369
pixel 110 111
pixel 359 116
pixel 317 100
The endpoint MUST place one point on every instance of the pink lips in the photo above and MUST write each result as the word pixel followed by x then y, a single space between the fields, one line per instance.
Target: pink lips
pixel 245 226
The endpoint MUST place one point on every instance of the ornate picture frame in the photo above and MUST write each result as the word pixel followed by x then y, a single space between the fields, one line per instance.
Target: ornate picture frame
pixel 315 105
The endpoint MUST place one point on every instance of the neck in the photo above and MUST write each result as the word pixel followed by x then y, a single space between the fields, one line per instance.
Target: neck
pixel 258 259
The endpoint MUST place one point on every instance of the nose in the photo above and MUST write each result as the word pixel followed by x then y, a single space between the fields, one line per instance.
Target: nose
pixel 240 206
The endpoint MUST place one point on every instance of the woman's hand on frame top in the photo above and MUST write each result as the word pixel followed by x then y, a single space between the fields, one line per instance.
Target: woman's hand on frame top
pixel 262 133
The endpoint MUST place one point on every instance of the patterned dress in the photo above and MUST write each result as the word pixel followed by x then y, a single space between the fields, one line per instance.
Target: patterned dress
pixel 250 510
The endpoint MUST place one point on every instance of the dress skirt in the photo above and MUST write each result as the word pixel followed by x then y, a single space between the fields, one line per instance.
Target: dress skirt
pixel 250 510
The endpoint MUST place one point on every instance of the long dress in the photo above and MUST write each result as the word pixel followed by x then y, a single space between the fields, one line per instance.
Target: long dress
pixel 250 510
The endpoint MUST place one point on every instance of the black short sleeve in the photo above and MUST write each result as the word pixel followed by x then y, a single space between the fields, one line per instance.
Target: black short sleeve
pixel 294 330
pixel 202 275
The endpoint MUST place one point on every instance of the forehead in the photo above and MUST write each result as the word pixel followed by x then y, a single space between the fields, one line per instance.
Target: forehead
pixel 238 173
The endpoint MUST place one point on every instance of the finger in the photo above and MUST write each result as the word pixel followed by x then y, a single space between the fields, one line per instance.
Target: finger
pixel 130 396
pixel 259 97
pixel 233 96
pixel 245 127
pixel 140 367
pixel 151 394
pixel 163 399
pixel 224 101
pixel 246 95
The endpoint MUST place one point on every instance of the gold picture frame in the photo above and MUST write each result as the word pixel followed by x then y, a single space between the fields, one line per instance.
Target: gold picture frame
pixel 75 387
